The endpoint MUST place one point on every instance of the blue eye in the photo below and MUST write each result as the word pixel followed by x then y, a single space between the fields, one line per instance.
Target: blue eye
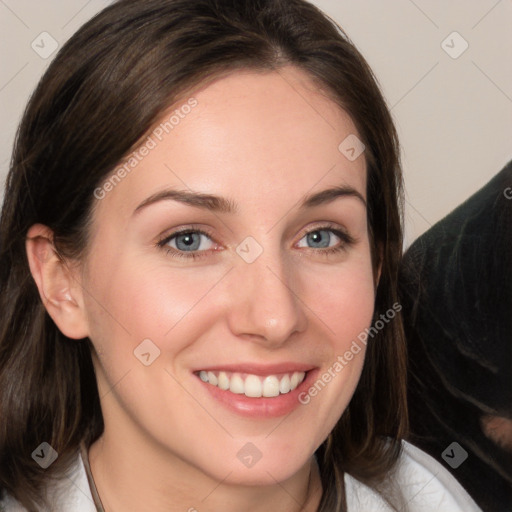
pixel 320 238
pixel 189 241
pixel 195 243
pixel 327 239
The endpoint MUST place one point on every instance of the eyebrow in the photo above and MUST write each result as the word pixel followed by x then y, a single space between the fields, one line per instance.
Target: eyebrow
pixel 220 204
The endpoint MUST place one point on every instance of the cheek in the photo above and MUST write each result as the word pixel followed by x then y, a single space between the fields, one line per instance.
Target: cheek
pixel 343 296
pixel 343 299
pixel 135 300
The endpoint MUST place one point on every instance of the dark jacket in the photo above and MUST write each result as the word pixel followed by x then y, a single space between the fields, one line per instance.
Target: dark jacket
pixel 456 293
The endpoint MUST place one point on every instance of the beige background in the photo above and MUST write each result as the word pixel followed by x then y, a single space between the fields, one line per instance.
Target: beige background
pixel 454 115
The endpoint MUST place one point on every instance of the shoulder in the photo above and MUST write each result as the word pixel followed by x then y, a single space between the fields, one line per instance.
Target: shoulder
pixel 423 483
pixel 72 492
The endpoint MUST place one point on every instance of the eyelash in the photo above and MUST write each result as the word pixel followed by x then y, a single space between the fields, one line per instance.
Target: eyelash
pixel 346 240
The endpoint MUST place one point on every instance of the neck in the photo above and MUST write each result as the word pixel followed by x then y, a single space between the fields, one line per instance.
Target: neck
pixel 127 480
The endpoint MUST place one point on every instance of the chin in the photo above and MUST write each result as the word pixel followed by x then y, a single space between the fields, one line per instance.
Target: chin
pixel 248 465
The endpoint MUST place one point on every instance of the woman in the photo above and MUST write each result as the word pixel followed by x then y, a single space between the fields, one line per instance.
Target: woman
pixel 200 243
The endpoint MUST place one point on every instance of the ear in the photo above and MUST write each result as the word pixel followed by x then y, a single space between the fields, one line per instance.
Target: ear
pixel 59 286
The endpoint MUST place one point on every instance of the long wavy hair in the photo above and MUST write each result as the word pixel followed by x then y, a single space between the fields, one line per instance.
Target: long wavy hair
pixel 101 94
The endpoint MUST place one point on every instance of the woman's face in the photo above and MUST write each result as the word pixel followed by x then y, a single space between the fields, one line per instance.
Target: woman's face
pixel 280 283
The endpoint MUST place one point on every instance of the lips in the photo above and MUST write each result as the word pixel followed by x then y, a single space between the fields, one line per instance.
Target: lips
pixel 253 385
pixel 254 390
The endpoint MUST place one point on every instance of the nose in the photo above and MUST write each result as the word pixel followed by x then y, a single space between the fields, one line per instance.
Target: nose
pixel 265 304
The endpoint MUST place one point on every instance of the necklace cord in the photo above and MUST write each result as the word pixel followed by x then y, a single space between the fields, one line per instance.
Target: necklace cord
pixel 94 491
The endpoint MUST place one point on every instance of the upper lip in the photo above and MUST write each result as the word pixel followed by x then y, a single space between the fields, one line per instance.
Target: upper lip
pixel 259 369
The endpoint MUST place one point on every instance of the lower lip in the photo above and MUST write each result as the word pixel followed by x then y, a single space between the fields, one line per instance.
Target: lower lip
pixel 262 407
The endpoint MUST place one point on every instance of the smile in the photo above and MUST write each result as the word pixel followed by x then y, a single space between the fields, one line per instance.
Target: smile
pixel 253 386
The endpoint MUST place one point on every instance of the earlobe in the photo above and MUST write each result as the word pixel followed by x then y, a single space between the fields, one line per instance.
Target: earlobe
pixel 59 289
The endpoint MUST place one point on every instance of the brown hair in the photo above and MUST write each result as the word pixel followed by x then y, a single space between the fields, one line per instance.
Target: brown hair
pixel 101 94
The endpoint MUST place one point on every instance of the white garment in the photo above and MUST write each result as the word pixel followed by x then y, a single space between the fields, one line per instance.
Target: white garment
pixel 425 484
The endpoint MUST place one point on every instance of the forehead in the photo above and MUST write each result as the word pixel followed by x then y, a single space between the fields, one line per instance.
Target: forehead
pixel 249 135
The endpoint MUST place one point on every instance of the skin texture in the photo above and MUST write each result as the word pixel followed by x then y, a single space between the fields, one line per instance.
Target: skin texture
pixel 498 430
pixel 263 140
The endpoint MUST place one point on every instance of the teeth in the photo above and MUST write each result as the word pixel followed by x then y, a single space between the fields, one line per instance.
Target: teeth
pixel 236 385
pixel 271 386
pixel 294 381
pixel 284 385
pixel 253 386
pixel 223 381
